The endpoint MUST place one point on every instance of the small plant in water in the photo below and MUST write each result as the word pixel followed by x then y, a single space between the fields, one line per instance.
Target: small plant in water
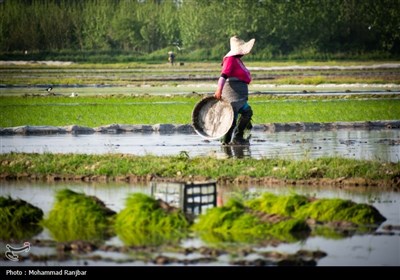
pixel 284 218
pixel 76 216
pixel 335 209
pixel 18 219
pixel 147 221
pixel 237 222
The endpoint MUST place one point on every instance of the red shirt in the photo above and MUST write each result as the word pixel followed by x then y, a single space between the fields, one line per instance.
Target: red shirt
pixel 234 67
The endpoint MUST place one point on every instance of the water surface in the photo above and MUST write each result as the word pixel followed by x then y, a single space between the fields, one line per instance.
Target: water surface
pixel 377 248
pixel 383 145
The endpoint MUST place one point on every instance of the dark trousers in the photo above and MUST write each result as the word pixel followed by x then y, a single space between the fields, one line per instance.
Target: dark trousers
pixel 241 122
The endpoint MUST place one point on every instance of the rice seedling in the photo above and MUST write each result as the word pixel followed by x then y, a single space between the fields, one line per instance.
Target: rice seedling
pixel 76 216
pixel 323 210
pixel 236 222
pixel 95 111
pixel 19 219
pixel 146 221
pixel 336 209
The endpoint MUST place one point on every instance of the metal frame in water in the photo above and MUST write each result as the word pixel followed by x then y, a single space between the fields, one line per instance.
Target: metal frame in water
pixel 191 197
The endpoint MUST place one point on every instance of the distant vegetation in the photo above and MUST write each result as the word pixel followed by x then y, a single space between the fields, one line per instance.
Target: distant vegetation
pixel 197 30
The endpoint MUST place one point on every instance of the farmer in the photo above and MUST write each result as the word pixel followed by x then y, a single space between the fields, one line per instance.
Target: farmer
pixel 171 57
pixel 233 87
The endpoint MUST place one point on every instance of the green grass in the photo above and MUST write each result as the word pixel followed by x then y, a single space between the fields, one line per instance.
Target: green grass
pixel 103 110
pixel 168 166
pixel 325 110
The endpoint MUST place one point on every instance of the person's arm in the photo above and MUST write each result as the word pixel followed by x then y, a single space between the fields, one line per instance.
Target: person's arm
pixel 227 68
pixel 220 87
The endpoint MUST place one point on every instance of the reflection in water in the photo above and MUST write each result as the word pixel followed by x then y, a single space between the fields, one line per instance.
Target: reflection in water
pixel 19 219
pixel 150 238
pixel 374 246
pixel 383 145
pixel 147 221
pixel 19 232
pixel 247 229
pixel 236 151
pixel 287 218
pixel 77 216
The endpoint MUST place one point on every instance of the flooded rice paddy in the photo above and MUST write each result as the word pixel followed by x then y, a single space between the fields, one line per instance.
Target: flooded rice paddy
pixel 383 145
pixel 202 87
pixel 378 247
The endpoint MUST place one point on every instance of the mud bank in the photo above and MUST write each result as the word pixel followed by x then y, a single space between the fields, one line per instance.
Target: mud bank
pixel 342 183
pixel 188 128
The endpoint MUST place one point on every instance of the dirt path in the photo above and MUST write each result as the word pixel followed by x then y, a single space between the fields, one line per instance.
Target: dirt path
pixel 188 128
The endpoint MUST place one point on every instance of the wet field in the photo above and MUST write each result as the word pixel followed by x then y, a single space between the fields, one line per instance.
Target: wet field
pixel 377 247
pixel 382 144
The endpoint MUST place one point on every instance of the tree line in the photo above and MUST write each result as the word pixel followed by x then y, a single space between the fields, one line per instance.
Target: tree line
pixel 202 27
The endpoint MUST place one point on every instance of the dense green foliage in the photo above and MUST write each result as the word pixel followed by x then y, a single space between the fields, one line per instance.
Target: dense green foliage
pixel 201 28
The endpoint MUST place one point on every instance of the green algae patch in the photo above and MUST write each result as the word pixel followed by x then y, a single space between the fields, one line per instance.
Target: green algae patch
pixel 76 216
pixel 147 221
pixel 19 219
pixel 326 210
pixel 234 222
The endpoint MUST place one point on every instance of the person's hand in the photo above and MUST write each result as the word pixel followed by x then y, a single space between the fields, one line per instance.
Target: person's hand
pixel 218 94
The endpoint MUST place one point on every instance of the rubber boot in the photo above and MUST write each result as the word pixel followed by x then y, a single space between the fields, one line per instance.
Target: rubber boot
pixel 243 124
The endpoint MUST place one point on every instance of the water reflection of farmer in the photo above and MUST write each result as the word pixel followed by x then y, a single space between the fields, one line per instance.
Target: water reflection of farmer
pixel 233 87
pixel 171 57
pixel 234 151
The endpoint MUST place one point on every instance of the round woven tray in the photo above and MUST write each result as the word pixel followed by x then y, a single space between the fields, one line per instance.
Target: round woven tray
pixel 212 118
